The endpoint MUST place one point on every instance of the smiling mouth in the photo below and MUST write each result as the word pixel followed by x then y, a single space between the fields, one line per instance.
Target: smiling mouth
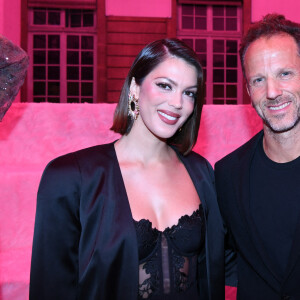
pixel 171 118
pixel 168 117
pixel 280 106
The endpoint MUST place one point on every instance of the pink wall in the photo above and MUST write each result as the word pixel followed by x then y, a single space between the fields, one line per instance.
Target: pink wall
pixel 289 8
pixel 141 8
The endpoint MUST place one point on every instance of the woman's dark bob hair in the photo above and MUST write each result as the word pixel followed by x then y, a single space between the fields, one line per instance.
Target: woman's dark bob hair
pixel 148 59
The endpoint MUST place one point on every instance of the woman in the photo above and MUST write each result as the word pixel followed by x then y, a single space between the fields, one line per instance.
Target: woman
pixel 137 218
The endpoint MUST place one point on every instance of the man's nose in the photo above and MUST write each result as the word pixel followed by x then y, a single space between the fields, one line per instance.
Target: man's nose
pixel 273 89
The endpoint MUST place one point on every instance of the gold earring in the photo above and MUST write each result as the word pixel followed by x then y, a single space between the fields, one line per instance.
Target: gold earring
pixel 133 107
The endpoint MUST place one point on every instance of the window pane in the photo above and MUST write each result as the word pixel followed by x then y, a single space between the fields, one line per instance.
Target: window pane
pixel 187 10
pixel 53 41
pixel 218 11
pixel 72 73
pixel 218 24
pixel 73 89
pixel 200 45
pixel 73 42
pixel 231 24
pixel 53 88
pixel 54 18
pixel 87 73
pixel 73 100
pixel 203 59
pixel 75 20
pixel 87 100
pixel 231 11
pixel 87 89
pixel 88 20
pixel 87 42
pixel 218 75
pixel 39 72
pixel 187 22
pixel 39 57
pixel 231 61
pixel 218 60
pixel 231 46
pixel 218 91
pixel 218 101
pixel 231 75
pixel 39 88
pixel 39 41
pixel 54 73
pixel 53 99
pixel 39 99
pixel 53 57
pixel 73 58
pixel 200 10
pixel 189 42
pixel 231 91
pixel 204 76
pixel 218 46
pixel 231 101
pixel 200 23
pixel 39 17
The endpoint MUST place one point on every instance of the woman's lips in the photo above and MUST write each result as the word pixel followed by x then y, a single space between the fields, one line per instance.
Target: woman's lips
pixel 168 116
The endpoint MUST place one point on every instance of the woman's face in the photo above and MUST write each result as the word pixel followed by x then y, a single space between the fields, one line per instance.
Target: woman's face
pixel 166 96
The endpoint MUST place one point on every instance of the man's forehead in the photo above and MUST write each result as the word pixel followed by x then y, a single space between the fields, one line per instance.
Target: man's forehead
pixel 277 41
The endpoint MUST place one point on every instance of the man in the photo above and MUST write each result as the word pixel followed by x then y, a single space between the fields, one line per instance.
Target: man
pixel 258 184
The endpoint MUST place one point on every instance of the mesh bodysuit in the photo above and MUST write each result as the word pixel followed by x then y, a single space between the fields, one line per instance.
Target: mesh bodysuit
pixel 168 259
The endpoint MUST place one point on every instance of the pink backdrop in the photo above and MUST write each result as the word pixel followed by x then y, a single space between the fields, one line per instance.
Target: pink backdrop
pixel 33 134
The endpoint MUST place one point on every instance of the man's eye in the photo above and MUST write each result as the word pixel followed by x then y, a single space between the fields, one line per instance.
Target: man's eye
pixel 284 74
pixel 257 81
pixel 164 86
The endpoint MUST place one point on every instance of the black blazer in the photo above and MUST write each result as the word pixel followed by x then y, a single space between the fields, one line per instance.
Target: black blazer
pixel 85 244
pixel 256 275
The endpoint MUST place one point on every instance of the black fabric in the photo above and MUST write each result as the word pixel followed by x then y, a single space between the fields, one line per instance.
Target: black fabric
pixel 168 259
pixel 275 185
pixel 85 244
pixel 256 277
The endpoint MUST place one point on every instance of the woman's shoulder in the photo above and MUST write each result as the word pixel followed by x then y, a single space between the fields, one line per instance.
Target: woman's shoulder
pixel 99 153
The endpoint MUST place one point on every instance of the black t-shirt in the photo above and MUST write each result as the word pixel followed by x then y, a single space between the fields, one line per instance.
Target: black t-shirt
pixel 275 204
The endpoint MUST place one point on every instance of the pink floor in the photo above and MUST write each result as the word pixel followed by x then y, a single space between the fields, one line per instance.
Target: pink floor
pixel 33 134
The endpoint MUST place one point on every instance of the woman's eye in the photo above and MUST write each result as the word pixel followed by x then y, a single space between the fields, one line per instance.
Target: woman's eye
pixel 190 94
pixel 164 86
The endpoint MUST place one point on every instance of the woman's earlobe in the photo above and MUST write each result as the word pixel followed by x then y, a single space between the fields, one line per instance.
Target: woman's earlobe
pixel 134 88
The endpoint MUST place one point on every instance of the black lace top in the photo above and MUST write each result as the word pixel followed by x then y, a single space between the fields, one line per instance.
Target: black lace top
pixel 168 259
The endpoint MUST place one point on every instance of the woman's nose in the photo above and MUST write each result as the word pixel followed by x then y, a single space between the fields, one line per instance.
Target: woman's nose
pixel 176 100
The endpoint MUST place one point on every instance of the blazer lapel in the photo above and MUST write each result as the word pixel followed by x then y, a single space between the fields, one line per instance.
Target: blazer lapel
pixel 253 244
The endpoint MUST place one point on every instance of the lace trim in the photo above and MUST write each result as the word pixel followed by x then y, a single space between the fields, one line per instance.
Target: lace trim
pixel 187 218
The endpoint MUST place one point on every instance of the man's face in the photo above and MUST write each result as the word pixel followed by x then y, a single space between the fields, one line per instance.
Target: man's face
pixel 272 68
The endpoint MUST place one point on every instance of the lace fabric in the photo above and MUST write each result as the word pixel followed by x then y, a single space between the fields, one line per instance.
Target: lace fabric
pixel 168 259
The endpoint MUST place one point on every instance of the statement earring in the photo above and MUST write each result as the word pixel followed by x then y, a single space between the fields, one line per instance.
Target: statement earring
pixel 133 107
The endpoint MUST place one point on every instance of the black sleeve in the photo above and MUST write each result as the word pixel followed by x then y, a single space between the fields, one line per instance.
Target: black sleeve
pixel 229 247
pixel 54 265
